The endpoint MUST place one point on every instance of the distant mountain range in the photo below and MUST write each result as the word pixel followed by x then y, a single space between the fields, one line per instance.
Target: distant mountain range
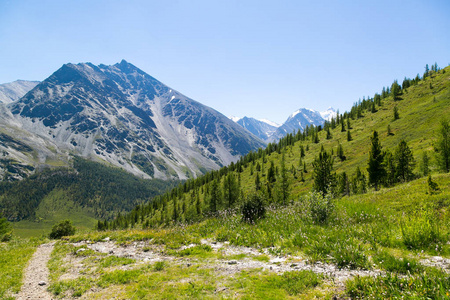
pixel 116 114
pixel 12 91
pixel 299 120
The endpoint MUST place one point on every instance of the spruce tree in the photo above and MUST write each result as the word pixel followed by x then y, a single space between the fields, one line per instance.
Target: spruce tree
pixel 390 178
pixel 257 182
pixel 328 134
pixel 396 115
pixel 214 196
pixel 284 182
pixel 230 189
pixel 376 167
pixel 395 90
pixel 340 152
pixel 425 169
pixel 404 162
pixel 323 168
pixel 443 146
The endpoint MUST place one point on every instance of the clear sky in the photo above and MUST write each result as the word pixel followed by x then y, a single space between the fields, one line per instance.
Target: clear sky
pixel 263 59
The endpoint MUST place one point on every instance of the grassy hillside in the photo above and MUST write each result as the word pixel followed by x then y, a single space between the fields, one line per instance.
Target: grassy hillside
pixel 421 107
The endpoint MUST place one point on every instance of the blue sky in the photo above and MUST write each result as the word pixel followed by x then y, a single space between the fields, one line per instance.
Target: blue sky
pixel 263 59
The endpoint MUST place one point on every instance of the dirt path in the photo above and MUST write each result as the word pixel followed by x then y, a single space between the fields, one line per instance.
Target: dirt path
pixel 275 264
pixel 35 280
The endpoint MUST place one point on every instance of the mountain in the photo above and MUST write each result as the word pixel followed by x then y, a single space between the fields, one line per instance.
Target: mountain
pixel 300 119
pixel 261 129
pixel 271 132
pixel 12 91
pixel 120 115
pixel 328 114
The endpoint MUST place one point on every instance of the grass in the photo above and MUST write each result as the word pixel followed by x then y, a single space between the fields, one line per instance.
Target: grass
pixel 375 230
pixel 428 285
pixel 52 209
pixel 14 256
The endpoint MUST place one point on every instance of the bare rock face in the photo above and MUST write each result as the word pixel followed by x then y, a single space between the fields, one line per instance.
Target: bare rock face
pixel 121 115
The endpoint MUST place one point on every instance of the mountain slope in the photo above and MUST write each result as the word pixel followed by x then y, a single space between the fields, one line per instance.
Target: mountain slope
pixel 298 120
pixel 421 106
pixel 121 115
pixel 12 91
pixel 261 129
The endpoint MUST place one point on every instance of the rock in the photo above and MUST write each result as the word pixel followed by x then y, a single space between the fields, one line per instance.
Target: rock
pixel 80 250
pixel 232 262
pixel 41 283
pixel 106 239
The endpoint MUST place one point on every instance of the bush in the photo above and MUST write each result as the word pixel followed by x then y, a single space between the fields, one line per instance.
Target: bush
pixel 320 207
pixel 5 230
pixel 64 228
pixel 253 208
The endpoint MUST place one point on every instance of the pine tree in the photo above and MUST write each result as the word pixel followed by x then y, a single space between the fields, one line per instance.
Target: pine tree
pixel 284 182
pixel 323 168
pixel 425 169
pixel 395 90
pixel 443 146
pixel 214 196
pixel 302 151
pixel 328 134
pixel 349 136
pixel 389 132
pixel 343 185
pixel 198 205
pixel 376 167
pixel 257 182
pixel 390 178
pixel 175 210
pixel 230 189
pixel 340 152
pixel 404 162
pixel 271 173
pixel 396 115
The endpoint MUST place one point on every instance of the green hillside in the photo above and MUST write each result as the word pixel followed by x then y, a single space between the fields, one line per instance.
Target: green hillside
pixel 421 106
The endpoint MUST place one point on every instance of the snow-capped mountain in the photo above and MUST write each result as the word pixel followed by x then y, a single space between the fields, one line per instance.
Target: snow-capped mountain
pixel 261 129
pixel 121 115
pixel 328 114
pixel 298 120
pixel 271 132
pixel 12 91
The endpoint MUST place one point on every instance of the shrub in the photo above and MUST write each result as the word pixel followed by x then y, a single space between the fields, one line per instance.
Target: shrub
pixel 253 208
pixel 5 230
pixel 321 207
pixel 63 228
